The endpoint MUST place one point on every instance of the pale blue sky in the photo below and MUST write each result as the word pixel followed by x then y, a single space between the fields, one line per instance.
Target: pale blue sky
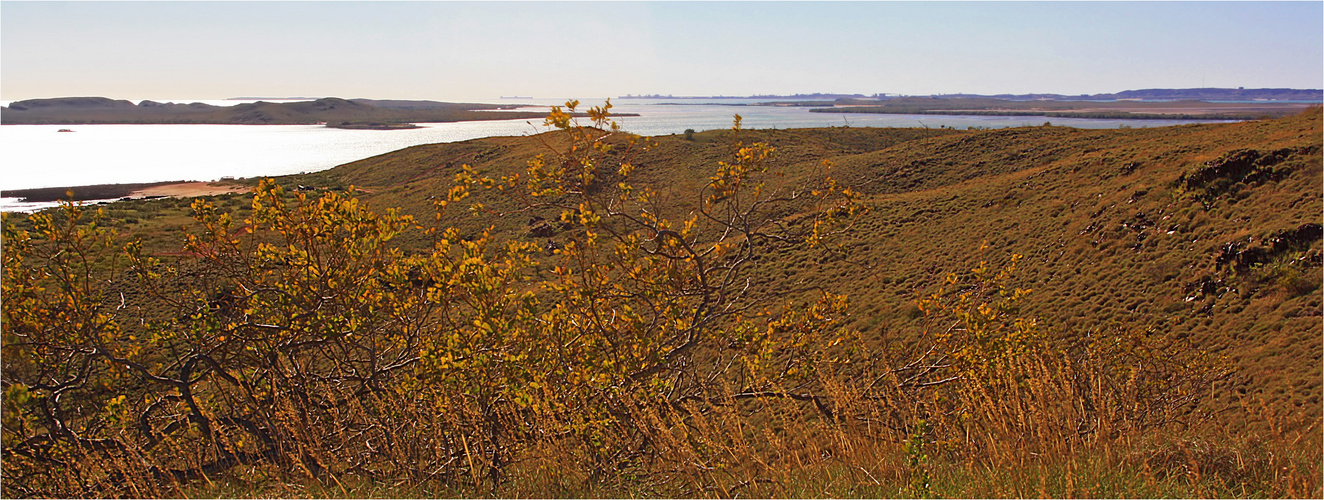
pixel 458 51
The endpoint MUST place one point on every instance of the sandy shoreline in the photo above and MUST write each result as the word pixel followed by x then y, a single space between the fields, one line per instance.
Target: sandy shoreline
pixel 31 200
pixel 190 189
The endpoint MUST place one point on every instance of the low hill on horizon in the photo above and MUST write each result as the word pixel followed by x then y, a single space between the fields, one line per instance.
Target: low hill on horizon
pixel 101 110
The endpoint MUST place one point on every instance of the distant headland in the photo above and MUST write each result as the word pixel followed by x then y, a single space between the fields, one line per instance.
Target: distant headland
pixel 270 99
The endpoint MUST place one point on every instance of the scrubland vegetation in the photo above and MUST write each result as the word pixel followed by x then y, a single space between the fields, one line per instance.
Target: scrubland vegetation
pixel 1024 312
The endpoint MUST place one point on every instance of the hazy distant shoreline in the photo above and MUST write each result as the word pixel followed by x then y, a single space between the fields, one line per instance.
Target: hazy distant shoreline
pixel 1202 94
pixel 1121 109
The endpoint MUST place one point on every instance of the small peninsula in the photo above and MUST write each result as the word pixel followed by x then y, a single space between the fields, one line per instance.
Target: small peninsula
pixel 372 126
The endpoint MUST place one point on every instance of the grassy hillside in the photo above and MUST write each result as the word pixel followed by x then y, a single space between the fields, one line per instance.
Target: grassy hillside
pixel 1112 233
pixel 1174 273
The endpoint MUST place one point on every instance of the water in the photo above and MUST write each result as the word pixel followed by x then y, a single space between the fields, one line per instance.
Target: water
pixel 34 156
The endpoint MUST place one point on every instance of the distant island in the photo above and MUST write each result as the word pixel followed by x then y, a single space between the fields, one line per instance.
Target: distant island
pixel 387 113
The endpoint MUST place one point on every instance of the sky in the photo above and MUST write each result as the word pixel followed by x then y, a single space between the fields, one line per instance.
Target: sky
pixel 481 50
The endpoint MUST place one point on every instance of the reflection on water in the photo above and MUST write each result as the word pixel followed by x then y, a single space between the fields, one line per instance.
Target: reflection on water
pixel 39 156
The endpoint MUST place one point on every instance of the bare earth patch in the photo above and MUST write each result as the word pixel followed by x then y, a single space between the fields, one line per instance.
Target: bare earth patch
pixel 190 189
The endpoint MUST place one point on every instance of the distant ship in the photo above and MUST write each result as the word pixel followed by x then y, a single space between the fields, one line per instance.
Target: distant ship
pixel 515 97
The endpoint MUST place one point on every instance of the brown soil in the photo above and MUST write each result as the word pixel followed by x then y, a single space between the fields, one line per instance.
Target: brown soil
pixel 190 189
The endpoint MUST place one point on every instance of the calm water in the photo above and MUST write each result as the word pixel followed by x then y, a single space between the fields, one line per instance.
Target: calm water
pixel 39 156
